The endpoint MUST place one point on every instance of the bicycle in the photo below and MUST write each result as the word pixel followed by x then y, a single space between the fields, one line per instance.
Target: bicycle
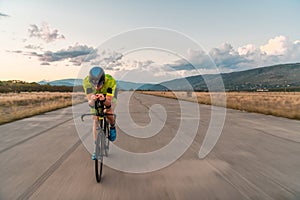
pixel 102 141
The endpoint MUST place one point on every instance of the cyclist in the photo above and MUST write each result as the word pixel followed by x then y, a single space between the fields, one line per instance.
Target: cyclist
pixel 98 85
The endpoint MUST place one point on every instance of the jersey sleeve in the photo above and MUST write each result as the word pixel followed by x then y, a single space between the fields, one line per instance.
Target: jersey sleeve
pixel 112 86
pixel 88 89
pixel 111 90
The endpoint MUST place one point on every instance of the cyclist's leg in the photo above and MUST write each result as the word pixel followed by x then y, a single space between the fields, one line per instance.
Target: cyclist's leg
pixel 95 123
pixel 111 118
pixel 95 127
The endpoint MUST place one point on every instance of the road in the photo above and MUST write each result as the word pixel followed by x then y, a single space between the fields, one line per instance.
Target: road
pixel 256 157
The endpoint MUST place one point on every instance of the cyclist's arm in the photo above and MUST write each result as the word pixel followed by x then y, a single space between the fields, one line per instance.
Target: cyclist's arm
pixel 109 96
pixel 90 96
pixel 93 97
pixel 88 90
pixel 91 100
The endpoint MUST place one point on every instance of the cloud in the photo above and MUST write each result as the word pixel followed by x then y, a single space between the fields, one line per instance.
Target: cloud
pixel 195 60
pixel 3 15
pixel 16 51
pixel 246 50
pixel 45 63
pixel 140 71
pixel 277 50
pixel 179 65
pixel 226 56
pixel 293 51
pixel 222 59
pixel 227 59
pixel 276 46
pixel 110 59
pixel 75 54
pixel 44 33
pixel 34 47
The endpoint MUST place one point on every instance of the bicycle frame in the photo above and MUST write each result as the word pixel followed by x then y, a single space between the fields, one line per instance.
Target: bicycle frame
pixel 102 142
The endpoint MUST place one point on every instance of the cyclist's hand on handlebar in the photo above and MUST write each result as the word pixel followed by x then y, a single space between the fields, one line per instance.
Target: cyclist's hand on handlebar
pixel 101 97
pixel 92 100
pixel 94 97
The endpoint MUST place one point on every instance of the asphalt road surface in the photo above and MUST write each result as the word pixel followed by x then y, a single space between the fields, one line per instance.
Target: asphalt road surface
pixel 256 157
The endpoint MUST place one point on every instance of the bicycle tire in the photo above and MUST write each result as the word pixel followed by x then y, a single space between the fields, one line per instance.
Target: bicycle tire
pixel 106 146
pixel 99 156
pixel 107 141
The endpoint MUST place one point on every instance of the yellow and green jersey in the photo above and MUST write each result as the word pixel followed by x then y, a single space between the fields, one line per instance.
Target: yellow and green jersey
pixel 109 82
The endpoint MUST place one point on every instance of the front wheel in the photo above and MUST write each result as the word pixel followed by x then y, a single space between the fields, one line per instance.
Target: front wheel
pixel 99 156
pixel 98 170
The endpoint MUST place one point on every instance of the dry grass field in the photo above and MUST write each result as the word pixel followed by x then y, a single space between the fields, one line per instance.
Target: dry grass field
pixel 15 106
pixel 283 104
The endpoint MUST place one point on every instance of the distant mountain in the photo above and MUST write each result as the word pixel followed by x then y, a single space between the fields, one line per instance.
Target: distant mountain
pixel 77 82
pixel 43 82
pixel 124 85
pixel 63 82
pixel 272 77
pixel 147 86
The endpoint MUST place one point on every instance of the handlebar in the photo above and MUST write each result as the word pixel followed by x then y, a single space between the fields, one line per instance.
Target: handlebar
pixel 89 114
pixel 83 115
pixel 99 104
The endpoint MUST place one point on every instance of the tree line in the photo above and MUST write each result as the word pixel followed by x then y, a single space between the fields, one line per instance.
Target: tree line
pixel 22 86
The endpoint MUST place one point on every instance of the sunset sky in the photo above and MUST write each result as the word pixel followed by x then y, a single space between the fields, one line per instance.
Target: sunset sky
pixel 51 40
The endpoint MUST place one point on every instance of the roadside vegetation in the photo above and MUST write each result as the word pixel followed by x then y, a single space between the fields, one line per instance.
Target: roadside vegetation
pixel 16 86
pixel 282 104
pixel 19 105
pixel 19 99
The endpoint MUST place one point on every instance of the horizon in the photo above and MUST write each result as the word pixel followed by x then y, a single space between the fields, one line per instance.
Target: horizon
pixel 48 81
pixel 40 44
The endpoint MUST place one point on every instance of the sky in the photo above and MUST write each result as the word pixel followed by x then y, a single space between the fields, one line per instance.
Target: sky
pixel 144 41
